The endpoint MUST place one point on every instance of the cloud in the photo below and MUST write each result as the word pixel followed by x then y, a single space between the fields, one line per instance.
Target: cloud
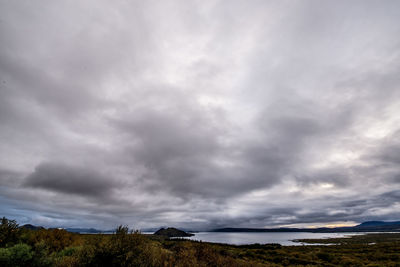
pixel 69 180
pixel 199 114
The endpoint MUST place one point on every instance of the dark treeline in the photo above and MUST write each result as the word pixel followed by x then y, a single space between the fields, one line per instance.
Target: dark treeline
pixel 57 247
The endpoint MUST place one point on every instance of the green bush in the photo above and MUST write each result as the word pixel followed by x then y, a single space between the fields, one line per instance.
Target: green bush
pixel 5 256
pixel 17 255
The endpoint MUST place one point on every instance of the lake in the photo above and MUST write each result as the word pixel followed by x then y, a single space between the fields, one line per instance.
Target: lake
pixel 262 237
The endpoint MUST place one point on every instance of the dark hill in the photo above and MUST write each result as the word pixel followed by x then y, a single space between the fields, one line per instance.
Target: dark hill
pixel 371 226
pixel 377 223
pixel 172 232
pixel 85 230
pixel 32 227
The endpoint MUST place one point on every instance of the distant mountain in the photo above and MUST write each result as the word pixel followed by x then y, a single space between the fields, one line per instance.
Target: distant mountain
pixel 87 230
pixel 172 232
pixel 72 230
pixel 377 223
pixel 32 227
pixel 371 226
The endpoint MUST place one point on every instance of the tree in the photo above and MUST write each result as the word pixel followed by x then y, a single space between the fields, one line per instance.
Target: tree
pixel 9 232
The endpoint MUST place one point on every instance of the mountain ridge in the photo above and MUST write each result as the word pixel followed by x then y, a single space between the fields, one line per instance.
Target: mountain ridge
pixel 368 226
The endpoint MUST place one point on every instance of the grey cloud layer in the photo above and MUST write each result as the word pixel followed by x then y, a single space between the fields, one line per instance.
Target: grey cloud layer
pixel 199 114
pixel 69 180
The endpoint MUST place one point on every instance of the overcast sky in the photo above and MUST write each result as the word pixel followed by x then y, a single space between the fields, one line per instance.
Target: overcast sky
pixel 199 114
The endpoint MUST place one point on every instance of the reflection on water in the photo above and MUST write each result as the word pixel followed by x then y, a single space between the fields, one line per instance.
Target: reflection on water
pixel 262 238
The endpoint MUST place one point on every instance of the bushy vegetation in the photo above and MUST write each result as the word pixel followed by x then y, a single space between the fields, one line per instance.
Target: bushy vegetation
pixel 55 247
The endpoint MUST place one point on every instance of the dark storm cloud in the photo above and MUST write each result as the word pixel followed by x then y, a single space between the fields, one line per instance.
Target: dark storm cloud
pixel 199 114
pixel 69 179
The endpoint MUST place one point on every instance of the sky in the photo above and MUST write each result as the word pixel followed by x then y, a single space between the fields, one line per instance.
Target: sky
pixel 199 114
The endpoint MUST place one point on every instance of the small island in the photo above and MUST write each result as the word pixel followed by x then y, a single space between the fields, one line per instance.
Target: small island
pixel 172 232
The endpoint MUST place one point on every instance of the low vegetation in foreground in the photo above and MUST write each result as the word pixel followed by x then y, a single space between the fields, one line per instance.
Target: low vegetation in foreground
pixel 55 247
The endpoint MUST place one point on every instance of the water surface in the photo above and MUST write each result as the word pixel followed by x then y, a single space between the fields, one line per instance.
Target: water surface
pixel 262 237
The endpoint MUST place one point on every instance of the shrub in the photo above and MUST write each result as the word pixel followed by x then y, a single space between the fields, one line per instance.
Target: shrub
pixel 325 256
pixel 55 239
pixel 17 255
pixel 121 249
pixel 9 232
pixel 5 256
